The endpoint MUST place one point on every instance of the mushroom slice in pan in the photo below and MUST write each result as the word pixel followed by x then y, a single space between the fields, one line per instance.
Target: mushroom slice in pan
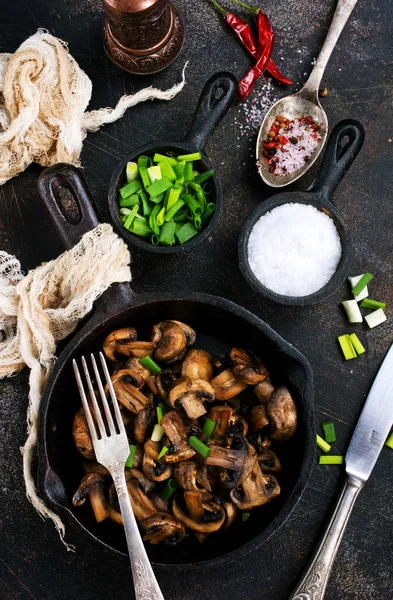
pixel 141 504
pixel 269 462
pixel 230 513
pixel 152 385
pixel 93 485
pixel 263 391
pixel 146 484
pixel 226 385
pixel 177 434
pixel 282 414
pixel 116 345
pixel 140 349
pixel 126 393
pixel 190 394
pixel 247 368
pixel 162 527
pixel 211 520
pixel 255 490
pixel 137 372
pixel 189 332
pixel 81 435
pixel 261 441
pixel 197 365
pixel 187 476
pixel 238 424
pixel 222 416
pixel 160 504
pixel 165 381
pixel 236 462
pixel 257 417
pixel 172 342
pixel 154 469
pixel 144 423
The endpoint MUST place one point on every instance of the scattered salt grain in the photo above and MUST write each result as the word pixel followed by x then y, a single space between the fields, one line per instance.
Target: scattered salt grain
pixel 253 109
pixel 294 249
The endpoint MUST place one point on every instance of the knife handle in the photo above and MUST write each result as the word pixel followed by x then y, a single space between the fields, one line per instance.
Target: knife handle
pixel 312 585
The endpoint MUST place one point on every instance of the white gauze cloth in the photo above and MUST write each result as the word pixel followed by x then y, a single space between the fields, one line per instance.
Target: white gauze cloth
pixel 42 308
pixel 43 97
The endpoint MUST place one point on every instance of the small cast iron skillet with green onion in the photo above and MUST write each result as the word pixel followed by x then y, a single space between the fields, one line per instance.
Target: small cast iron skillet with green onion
pixel 214 102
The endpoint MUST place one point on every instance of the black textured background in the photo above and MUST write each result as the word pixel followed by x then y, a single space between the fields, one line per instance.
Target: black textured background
pixel 33 563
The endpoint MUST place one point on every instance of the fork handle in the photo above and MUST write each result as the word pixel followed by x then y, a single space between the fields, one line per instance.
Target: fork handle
pixel 145 582
pixel 313 584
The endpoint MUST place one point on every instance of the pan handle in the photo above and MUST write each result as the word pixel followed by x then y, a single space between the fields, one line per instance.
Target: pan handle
pixel 339 155
pixel 214 102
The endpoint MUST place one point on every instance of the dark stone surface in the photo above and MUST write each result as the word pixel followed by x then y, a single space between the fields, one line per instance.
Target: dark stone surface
pixel 33 563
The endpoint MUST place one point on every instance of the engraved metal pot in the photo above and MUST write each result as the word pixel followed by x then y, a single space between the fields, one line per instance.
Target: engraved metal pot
pixel 142 36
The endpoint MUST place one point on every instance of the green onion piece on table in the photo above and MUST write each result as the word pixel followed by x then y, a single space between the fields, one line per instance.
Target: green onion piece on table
pixel 245 516
pixel 159 186
pixel 150 365
pixel 167 234
pixel 160 157
pixel 129 201
pixel 352 309
pixel 186 232
pixel 375 318
pixel 203 176
pixel 208 427
pixel 389 441
pixel 130 218
pixel 372 304
pixel 346 346
pixel 144 176
pixel 158 433
pixel 189 157
pixel 130 188
pixel 329 431
pixel 164 450
pixel 207 213
pixel 131 171
pixel 357 344
pixel 199 446
pixel 331 459
pixel 130 459
pixel 365 280
pixel 322 444
pixel 169 489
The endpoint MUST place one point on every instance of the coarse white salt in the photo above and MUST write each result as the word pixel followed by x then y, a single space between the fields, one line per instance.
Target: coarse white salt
pixel 294 249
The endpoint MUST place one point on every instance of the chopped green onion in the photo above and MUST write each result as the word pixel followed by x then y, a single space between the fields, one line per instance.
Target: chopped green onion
pixel 162 406
pixel 173 197
pixel 207 213
pixel 145 204
pixel 179 169
pixel 167 170
pixel 155 240
pixel 160 216
pixel 375 318
pixel 189 157
pixel 347 347
pixel 158 433
pixel 357 344
pixel 131 217
pixel 389 441
pixel 131 171
pixel 143 162
pixel 154 173
pixel 192 204
pixel 329 432
pixel 352 309
pixel 353 281
pixel 203 176
pixel 140 228
pixel 167 234
pixel 198 221
pixel 331 459
pixel 164 450
pixel 181 216
pixel 169 489
pixel 322 444
pixel 174 210
pixel 208 427
pixel 199 446
pixel 130 188
pixel 125 211
pixel 160 157
pixel 144 176
pixel 157 199
pixel 159 414
pixel 159 186
pixel 153 219
pixel 129 201
pixel 186 232
pixel 130 459
pixel 245 516
pixel 150 365
pixel 188 176
pixel 373 304
pixel 361 284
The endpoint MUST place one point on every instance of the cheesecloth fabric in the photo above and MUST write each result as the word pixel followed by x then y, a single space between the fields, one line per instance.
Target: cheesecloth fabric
pixel 43 97
pixel 42 308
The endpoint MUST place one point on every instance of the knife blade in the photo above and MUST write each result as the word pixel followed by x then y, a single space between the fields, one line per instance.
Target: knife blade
pixel 374 423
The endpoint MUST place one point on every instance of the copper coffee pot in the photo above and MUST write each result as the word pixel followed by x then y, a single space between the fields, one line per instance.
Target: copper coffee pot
pixel 142 36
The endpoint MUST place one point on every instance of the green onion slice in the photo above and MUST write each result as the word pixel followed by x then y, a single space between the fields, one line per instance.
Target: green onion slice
pixel 169 489
pixel 357 344
pixel 164 450
pixel 365 280
pixel 158 433
pixel 372 304
pixel 347 347
pixel 322 444
pixel 167 234
pixel 150 365
pixel 130 188
pixel 203 176
pixel 245 516
pixel 186 232
pixel 131 217
pixel 208 427
pixel 331 459
pixel 375 318
pixel 189 157
pixel 130 459
pixel 389 441
pixel 329 431
pixel 199 446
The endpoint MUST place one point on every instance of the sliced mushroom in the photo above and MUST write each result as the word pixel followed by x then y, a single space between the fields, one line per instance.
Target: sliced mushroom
pixel 173 341
pixel 160 504
pixel 146 484
pixel 81 435
pixel 140 349
pixel 213 515
pixel 257 417
pixel 190 394
pixel 238 424
pixel 247 368
pixel 226 385
pixel 261 441
pixel 93 485
pixel 282 414
pixel 141 504
pixel 269 462
pixel 116 345
pixel 162 527
pixel 255 490
pixel 137 372
pixel 188 476
pixel 263 391
pixel 236 462
pixel 189 332
pixel 177 435
pixel 230 513
pixel 144 423
pixel 222 416
pixel 126 393
pixel 165 381
pixel 153 468
pixel 197 365
pixel 152 385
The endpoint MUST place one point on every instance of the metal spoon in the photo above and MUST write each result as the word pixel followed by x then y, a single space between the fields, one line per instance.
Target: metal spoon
pixel 305 102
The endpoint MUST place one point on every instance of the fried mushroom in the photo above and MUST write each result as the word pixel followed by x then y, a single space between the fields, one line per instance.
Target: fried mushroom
pixel 257 418
pixel 127 394
pixel 256 489
pixel 282 414
pixel 197 365
pixel 144 423
pixel 116 345
pixel 226 385
pixel 81 435
pixel 211 515
pixel 190 394
pixel 177 435
pixel 154 469
pixel 162 527
pixel 172 342
pixel 263 391
pixel 269 462
pixel 247 368
pixel 236 461
pixel 93 486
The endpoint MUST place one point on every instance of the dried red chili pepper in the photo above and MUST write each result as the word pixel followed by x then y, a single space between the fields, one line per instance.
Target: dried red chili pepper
pixel 246 84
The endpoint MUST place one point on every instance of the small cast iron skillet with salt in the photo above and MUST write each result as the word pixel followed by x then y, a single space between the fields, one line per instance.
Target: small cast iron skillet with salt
pixel 215 100
pixel 343 146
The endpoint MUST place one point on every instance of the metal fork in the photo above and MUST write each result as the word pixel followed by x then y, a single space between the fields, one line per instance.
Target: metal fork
pixel 112 452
